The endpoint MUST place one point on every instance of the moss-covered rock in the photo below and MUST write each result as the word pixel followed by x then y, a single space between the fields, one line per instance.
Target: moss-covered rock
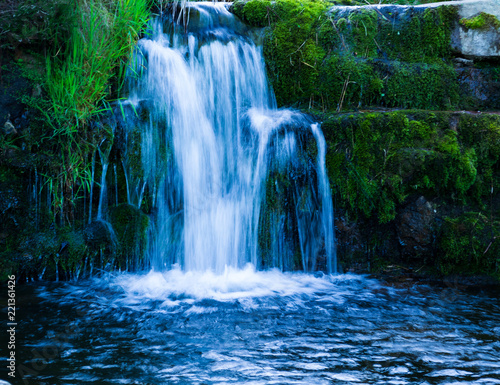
pixel 349 57
pixel 482 20
pixel 292 54
pixel 376 160
pixel 130 225
pixel 254 12
pixel 379 163
pixel 344 58
pixel 470 244
pixel 101 242
pixel 73 252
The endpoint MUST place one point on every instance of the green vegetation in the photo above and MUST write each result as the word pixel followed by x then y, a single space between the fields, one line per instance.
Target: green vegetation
pixel 469 243
pixel 40 22
pixel 130 225
pixel 399 2
pixel 255 12
pixel 377 161
pixel 346 59
pixel 80 78
pixel 481 21
pixel 75 54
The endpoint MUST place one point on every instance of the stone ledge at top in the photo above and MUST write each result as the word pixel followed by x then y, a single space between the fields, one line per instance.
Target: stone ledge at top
pixel 474 44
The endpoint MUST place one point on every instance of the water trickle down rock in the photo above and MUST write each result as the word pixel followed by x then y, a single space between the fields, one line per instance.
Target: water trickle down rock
pixel 211 131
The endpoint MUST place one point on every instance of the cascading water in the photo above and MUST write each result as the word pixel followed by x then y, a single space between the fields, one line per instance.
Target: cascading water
pixel 210 133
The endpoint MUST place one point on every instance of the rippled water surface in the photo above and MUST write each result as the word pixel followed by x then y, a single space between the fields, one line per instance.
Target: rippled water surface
pixel 256 328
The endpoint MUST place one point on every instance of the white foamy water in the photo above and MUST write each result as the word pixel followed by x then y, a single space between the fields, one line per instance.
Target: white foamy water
pixel 233 285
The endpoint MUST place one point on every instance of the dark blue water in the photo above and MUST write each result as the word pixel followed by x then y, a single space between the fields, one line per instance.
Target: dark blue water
pixel 250 327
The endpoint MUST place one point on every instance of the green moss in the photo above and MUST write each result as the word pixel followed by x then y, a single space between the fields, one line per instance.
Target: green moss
pixel 338 59
pixel 425 86
pixel 468 245
pixel 481 21
pixel 376 160
pixel 73 251
pixel 292 55
pixel 130 225
pixel 423 37
pixel 364 29
pixel 255 12
pixel 134 153
pixel 482 134
pixel 349 82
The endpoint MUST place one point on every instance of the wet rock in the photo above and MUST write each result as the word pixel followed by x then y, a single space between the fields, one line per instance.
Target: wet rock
pixel 479 87
pixel 99 235
pixel 12 85
pixel 130 224
pixel 8 200
pixel 8 128
pixel 460 61
pixel 414 226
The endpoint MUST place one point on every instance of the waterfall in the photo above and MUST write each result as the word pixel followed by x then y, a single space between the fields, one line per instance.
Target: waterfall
pixel 210 134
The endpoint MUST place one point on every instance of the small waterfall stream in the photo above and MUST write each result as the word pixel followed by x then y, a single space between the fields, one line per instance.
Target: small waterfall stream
pixel 210 133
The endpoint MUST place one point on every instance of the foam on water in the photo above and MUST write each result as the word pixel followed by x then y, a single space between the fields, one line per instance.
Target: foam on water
pixel 175 287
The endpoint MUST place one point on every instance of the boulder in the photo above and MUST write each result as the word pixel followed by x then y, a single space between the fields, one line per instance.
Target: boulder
pixel 480 43
pixel 99 235
pixel 476 43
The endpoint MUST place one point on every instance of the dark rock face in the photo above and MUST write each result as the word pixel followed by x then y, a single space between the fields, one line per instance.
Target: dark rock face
pixel 364 244
pixel 99 235
pixel 414 226
pixel 130 225
pixel 479 86
pixel 12 87
pixel 8 200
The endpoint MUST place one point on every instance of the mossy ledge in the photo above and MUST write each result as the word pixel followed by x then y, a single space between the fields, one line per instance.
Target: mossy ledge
pixel 416 187
pixel 341 58
pixel 62 66
pixel 482 20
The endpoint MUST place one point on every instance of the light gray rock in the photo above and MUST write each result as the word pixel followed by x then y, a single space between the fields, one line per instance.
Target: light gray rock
pixel 475 43
pixel 8 127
